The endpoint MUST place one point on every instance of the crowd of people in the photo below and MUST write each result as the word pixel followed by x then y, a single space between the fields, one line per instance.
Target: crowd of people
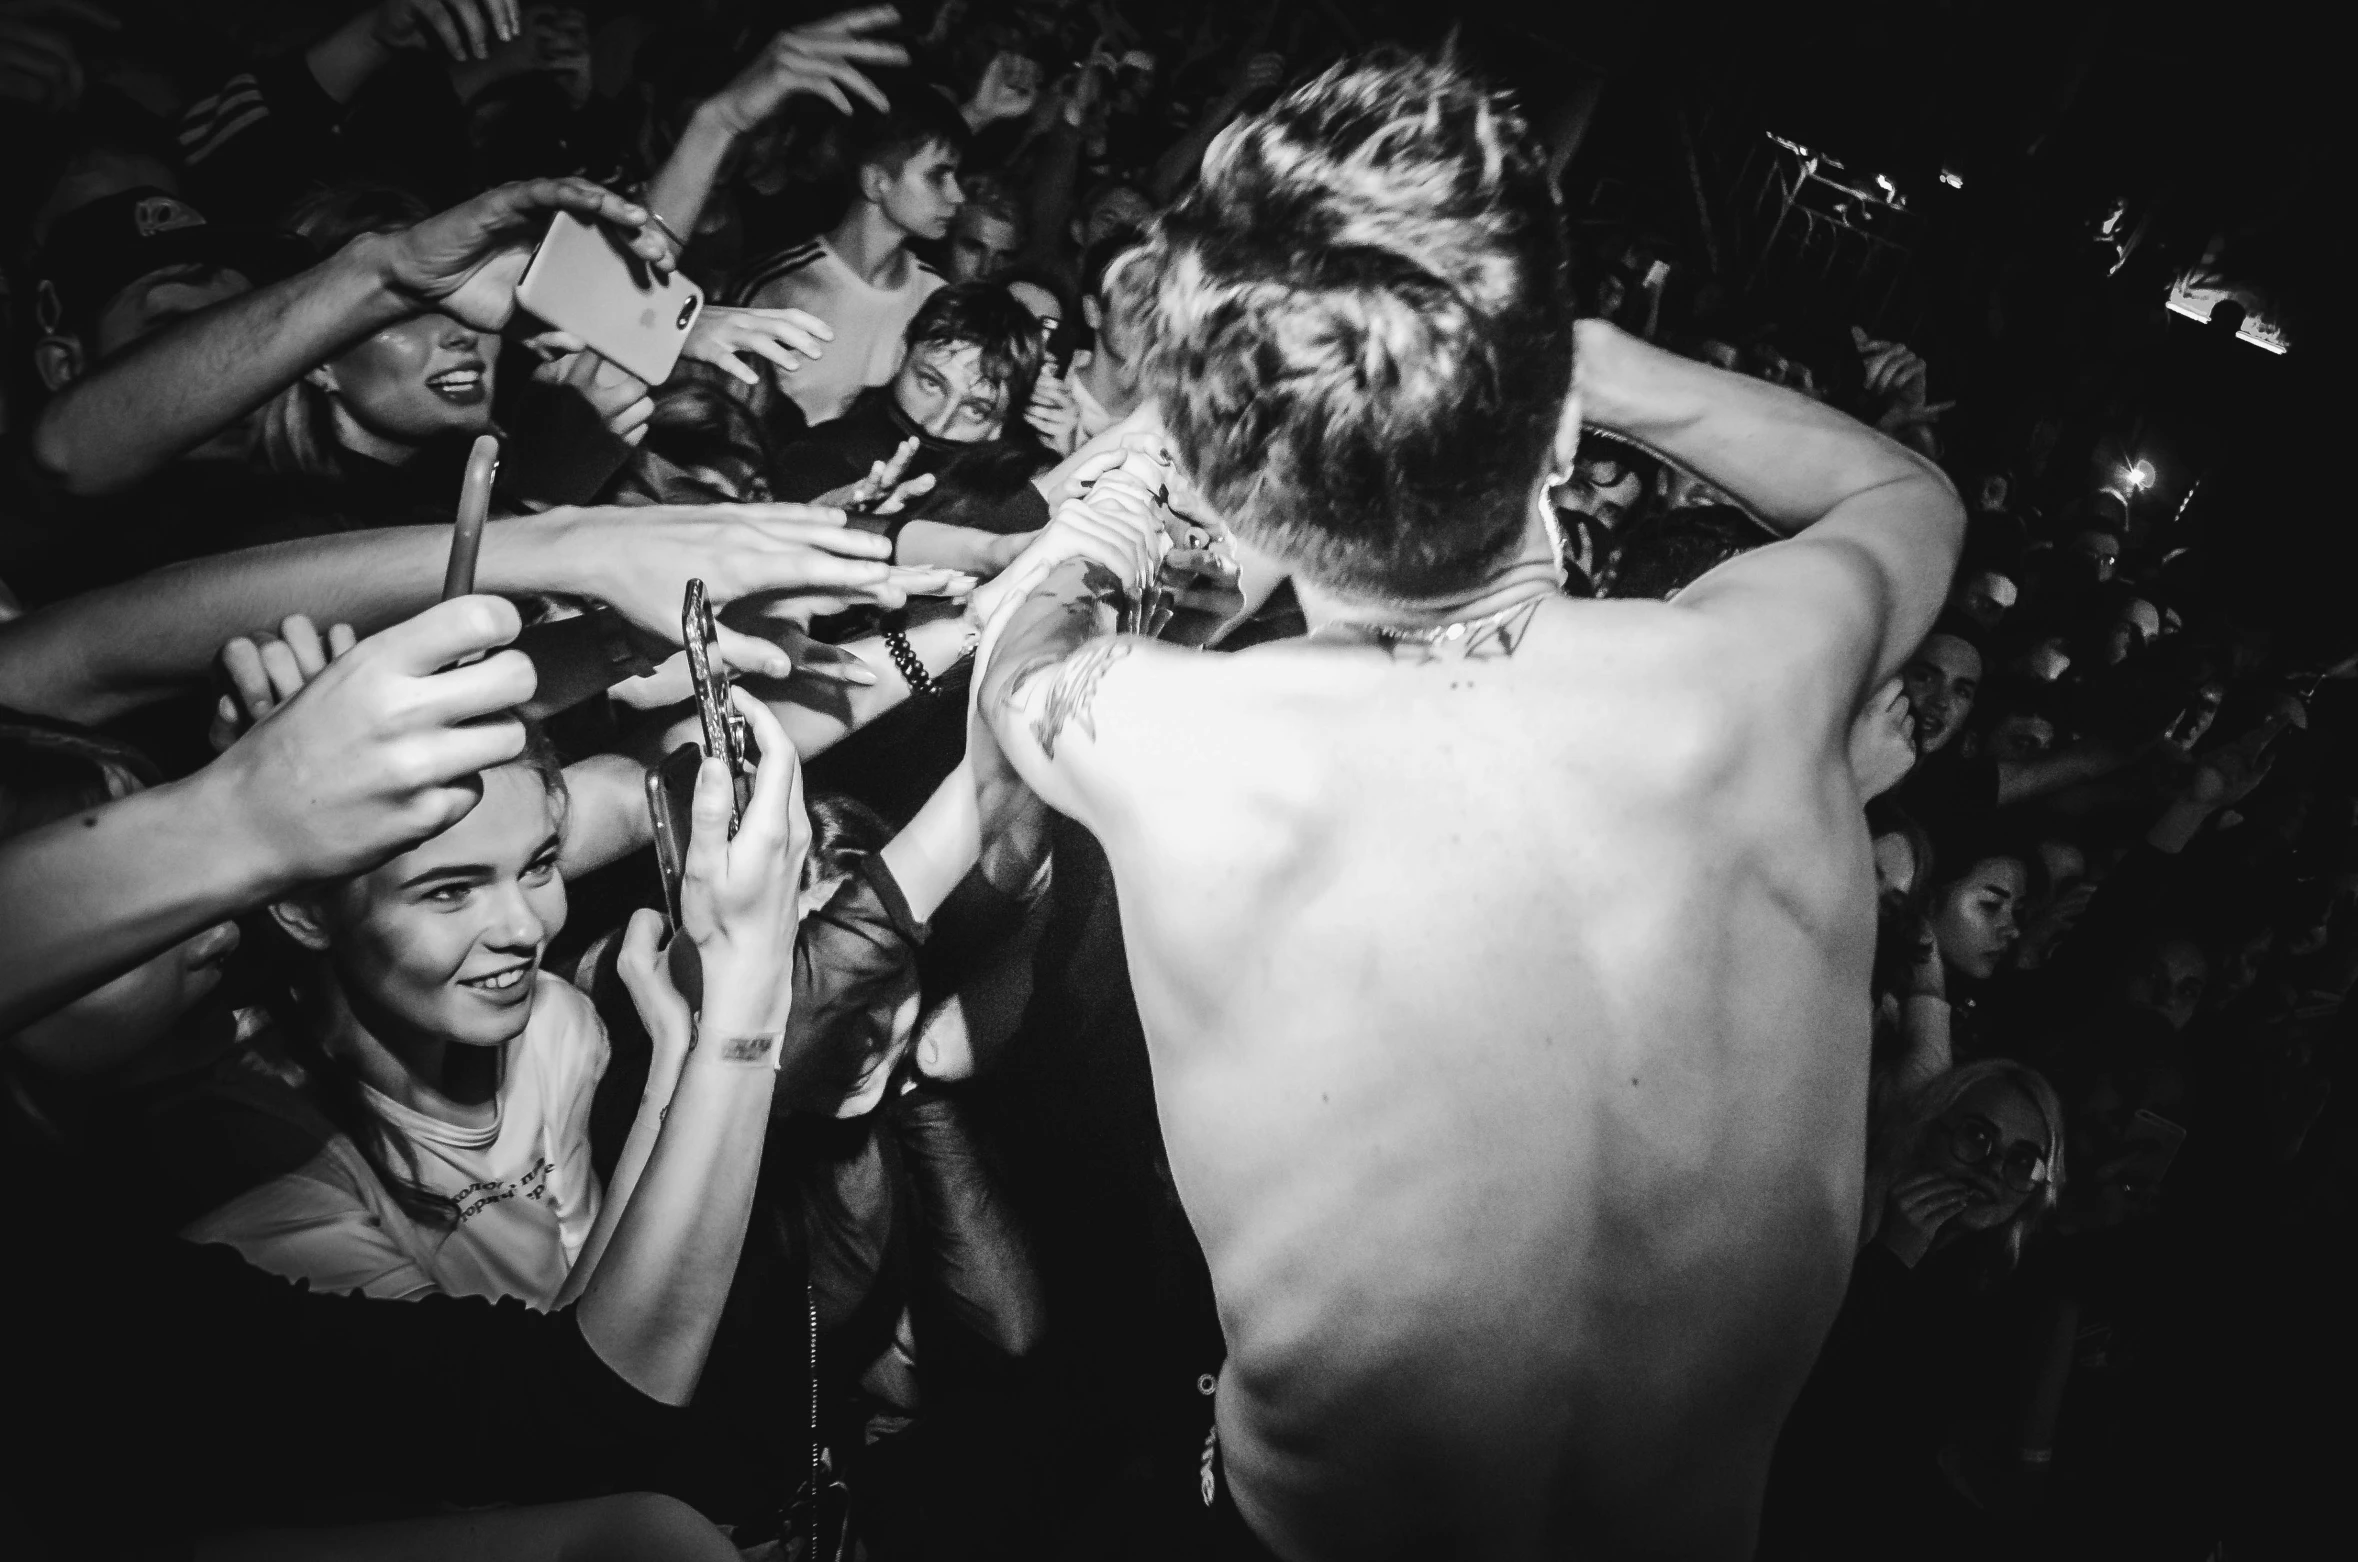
pixel 816 1204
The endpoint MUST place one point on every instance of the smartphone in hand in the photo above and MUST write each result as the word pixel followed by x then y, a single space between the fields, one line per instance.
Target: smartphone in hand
pixel 588 284
pixel 725 733
pixel 474 508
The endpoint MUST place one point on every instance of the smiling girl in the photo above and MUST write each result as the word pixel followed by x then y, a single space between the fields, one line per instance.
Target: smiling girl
pixel 458 1071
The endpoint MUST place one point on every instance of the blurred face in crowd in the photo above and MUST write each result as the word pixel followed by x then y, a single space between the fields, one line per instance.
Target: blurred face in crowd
pixel 122 1023
pixel 1993 494
pixel 2018 735
pixel 559 38
pixel 981 244
pixel 2101 550
pixel 921 200
pixel 424 376
pixel 1974 919
pixel 1042 304
pixel 1995 1141
pixel 2044 659
pixel 1942 679
pixel 1895 866
pixel 1603 488
pixel 2202 709
pixel 1117 210
pixel 1984 596
pixel 2137 626
pixel 2066 864
pixel 444 941
pixel 2168 980
pixel 942 389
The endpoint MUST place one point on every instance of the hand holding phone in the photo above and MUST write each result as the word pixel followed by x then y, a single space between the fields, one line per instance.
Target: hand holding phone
pixel 474 508
pixel 586 283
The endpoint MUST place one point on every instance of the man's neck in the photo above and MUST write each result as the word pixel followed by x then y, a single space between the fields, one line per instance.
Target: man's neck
pixel 1535 573
pixel 871 244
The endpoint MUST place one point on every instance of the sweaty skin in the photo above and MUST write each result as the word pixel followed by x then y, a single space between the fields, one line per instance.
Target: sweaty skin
pixel 1508 1006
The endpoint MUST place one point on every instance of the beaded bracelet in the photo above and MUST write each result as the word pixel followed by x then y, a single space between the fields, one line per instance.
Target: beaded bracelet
pixel 904 656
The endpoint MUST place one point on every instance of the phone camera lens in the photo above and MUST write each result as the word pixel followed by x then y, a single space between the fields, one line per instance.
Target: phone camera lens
pixel 687 313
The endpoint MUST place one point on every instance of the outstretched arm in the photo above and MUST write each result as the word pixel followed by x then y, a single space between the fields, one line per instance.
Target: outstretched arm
pixel 95 656
pixel 378 752
pixel 1875 528
pixel 165 396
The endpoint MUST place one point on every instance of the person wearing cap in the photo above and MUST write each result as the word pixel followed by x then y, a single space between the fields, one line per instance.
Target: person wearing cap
pixel 125 266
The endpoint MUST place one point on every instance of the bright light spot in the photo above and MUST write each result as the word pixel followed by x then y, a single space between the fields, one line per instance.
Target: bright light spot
pixel 1953 181
pixel 2142 474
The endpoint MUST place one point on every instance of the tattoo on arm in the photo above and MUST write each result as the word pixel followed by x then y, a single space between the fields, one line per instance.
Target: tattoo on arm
pixel 1073 691
pixel 1068 646
pixel 748 1049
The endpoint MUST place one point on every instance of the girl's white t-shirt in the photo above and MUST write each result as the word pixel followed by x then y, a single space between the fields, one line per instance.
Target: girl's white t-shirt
pixel 525 1190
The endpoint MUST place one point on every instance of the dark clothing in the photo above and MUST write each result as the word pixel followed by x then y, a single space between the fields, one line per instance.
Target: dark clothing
pixel 1956 800
pixel 984 486
pixel 168 1391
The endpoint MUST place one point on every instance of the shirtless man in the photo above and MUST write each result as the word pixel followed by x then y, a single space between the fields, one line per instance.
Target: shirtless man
pixel 1503 957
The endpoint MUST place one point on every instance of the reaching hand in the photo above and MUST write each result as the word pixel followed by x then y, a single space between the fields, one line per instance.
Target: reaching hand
pixel 618 396
pixel 265 672
pixel 40 66
pixel 1009 89
pixel 818 59
pixel 1054 412
pixel 646 976
pixel 466 29
pixel 467 261
pixel 738 894
pixel 1114 520
pixel 383 747
pixel 2227 775
pixel 882 492
pixel 1883 741
pixel 786 337
pixel 642 557
pixel 780 652
pixel 1920 1206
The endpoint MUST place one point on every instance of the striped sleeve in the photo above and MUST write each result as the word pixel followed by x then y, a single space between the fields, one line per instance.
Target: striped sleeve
pixel 773 269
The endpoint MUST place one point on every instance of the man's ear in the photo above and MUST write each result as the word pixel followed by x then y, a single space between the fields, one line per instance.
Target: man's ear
pixel 301 921
pixel 60 361
pixel 1093 314
pixel 873 177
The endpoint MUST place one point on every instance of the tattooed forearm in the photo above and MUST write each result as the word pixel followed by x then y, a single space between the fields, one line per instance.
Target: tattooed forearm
pixel 1056 652
pixel 1075 687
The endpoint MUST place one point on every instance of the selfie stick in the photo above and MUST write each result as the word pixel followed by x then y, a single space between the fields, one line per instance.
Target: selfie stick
pixel 466 538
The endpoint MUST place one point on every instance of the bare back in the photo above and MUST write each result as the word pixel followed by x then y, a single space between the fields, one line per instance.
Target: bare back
pixel 1509 1031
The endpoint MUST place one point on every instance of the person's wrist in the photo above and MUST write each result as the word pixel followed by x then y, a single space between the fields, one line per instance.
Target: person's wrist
pixel 754 1005
pixel 250 851
pixel 559 551
pixel 715 120
pixel 371 265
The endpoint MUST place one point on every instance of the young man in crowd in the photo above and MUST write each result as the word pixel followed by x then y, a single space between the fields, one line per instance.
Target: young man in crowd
pixel 1500 955
pixel 860 276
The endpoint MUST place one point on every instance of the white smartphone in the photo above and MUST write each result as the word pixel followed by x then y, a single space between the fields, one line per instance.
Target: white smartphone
pixel 584 281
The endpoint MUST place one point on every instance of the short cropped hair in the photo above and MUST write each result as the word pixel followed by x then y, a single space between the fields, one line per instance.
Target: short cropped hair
pixel 920 117
pixel 1359 329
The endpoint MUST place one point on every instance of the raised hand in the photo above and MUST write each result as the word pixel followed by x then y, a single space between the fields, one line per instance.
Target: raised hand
pixel 1920 1206
pixel 266 671
pixel 467 261
pixel 384 746
pixel 465 29
pixel 1883 741
pixel 1114 519
pixel 1054 413
pixel 738 894
pixel 618 396
pixel 819 59
pixel 646 976
pixel 788 338
pixel 1009 89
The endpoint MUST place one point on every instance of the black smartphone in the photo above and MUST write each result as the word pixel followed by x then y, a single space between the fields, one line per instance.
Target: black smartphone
pixel 725 732
pixel 671 808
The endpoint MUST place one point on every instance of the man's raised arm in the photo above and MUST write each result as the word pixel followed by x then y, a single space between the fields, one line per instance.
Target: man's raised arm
pixel 1049 637
pixel 1875 527
pixel 152 404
